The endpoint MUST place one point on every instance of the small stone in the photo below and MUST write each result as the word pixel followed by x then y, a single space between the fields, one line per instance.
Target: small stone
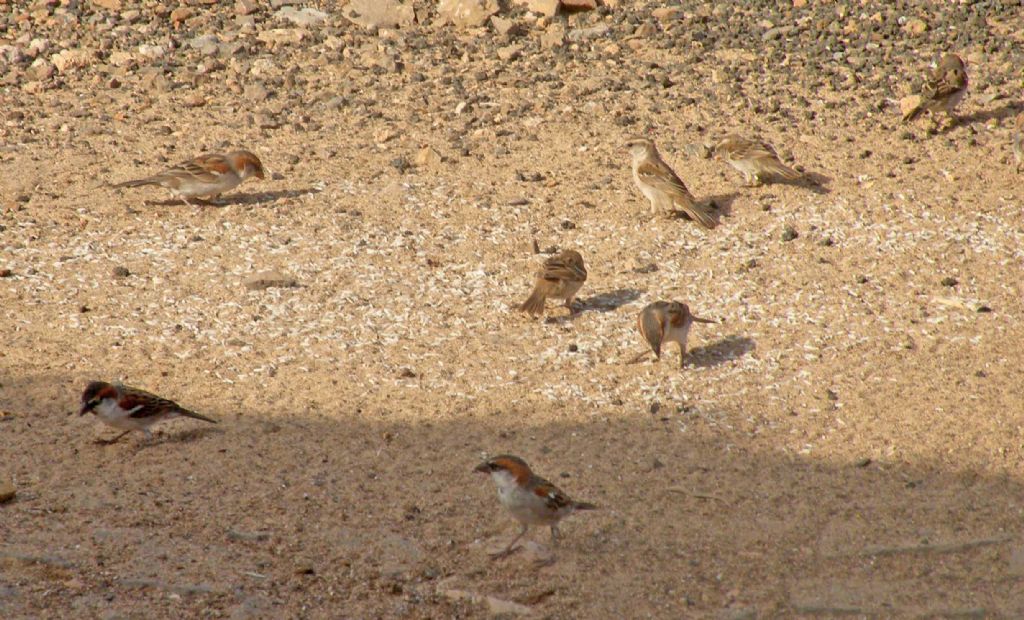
pixel 246 7
pixel 909 103
pixel 110 5
pixel 7 490
pixel 180 14
pixel 269 279
pixel 467 13
pixel 6 273
pixel 668 13
pixel 573 348
pixel 789 233
pixel 510 52
pixel 578 6
pixel 69 60
pixel 121 272
pixel 950 281
pixel 504 26
pixel 194 100
pixel 548 8
pixel 372 14
pixel 648 268
pixel 568 225
pixel 427 157
pixel 915 26
pixel 302 17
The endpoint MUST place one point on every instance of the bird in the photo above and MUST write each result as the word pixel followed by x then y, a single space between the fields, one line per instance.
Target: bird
pixel 667 321
pixel 943 88
pixel 561 277
pixel 206 176
pixel 1018 141
pixel 755 159
pixel 531 499
pixel 659 184
pixel 131 409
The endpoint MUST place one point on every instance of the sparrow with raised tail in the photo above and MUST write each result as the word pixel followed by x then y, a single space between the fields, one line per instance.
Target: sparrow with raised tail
pixel 206 176
pixel 531 499
pixel 943 88
pixel 131 409
pixel 755 159
pixel 667 321
pixel 561 277
pixel 1018 141
pixel 659 184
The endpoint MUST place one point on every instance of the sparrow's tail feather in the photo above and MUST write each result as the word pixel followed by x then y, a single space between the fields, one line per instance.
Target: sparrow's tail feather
pixel 583 506
pixel 703 214
pixel 138 182
pixel 193 414
pixel 782 170
pixel 700 320
pixel 912 114
pixel 535 304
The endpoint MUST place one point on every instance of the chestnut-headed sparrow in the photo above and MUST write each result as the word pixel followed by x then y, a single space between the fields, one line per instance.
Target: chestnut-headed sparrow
pixel 206 176
pixel 755 159
pixel 943 88
pixel 531 499
pixel 667 321
pixel 1018 141
pixel 131 409
pixel 662 187
pixel 561 277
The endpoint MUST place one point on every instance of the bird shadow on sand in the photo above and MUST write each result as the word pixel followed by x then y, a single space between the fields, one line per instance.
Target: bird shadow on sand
pixel 240 198
pixel 983 116
pixel 186 436
pixel 725 350
pixel 813 181
pixel 722 203
pixel 610 300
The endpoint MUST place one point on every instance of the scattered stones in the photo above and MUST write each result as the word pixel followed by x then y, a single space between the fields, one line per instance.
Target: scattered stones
pixel 270 279
pixel 70 60
pixel 548 8
pixel 379 13
pixel 495 606
pixel 110 5
pixel 303 17
pixel 467 13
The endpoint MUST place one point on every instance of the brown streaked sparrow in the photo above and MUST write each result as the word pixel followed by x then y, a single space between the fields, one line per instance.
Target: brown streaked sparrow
pixel 659 184
pixel 667 321
pixel 131 409
pixel 1018 141
pixel 943 88
pixel 561 277
pixel 755 159
pixel 206 176
pixel 531 499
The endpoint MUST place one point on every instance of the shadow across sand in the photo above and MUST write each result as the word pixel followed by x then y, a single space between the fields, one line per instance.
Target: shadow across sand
pixel 722 202
pixel 239 198
pixel 983 116
pixel 610 300
pixel 725 350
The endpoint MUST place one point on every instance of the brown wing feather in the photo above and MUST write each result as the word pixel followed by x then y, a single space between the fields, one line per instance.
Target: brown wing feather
pixel 662 178
pixel 152 405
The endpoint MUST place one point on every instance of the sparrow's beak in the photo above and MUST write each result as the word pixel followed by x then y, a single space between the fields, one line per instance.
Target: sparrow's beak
pixel 86 408
pixel 482 468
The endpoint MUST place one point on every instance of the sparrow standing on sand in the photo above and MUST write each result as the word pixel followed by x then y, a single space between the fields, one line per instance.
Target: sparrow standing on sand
pixel 943 88
pixel 531 499
pixel 667 321
pixel 1018 141
pixel 131 409
pixel 755 159
pixel 206 176
pixel 561 277
pixel 662 187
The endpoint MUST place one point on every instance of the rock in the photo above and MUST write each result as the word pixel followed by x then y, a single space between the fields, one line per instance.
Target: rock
pixel 180 14
pixel 915 26
pixel 379 13
pixel 789 233
pixel 110 5
pixel 495 606
pixel 909 103
pixel 121 272
pixel 578 6
pixel 69 60
pixel 467 13
pixel 668 13
pixel 583 34
pixel 246 7
pixel 7 490
pixel 510 52
pixel 40 70
pixel 554 36
pixel 207 44
pixel 269 279
pixel 282 36
pixel 548 8
pixel 194 100
pixel 505 26
pixel 303 17
pixel 427 157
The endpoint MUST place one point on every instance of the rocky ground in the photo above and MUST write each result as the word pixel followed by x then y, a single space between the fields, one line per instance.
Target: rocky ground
pixel 848 440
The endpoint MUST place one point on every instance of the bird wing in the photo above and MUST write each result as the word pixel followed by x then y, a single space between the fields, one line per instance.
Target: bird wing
pixel 553 497
pixel 944 83
pixel 142 404
pixel 652 325
pixel 557 269
pixel 662 178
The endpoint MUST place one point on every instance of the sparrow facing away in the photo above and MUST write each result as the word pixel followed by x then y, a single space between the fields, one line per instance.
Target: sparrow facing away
pixel 561 277
pixel 943 88
pixel 667 321
pixel 206 176
pixel 531 499
pixel 754 158
pixel 1018 141
pixel 131 409
pixel 659 184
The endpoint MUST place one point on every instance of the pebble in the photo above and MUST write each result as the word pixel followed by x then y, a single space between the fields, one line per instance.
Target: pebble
pixel 789 233
pixel 121 272
pixel 270 279
pixel 7 490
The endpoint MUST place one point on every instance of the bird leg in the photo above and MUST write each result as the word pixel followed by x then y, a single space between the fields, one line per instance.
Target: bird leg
pixel 682 355
pixel 554 536
pixel 507 551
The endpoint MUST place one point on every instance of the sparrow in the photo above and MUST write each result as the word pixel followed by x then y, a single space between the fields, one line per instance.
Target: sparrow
pixel 206 176
pixel 1018 141
pixel 131 409
pixel 561 277
pixel 667 321
pixel 661 185
pixel 754 159
pixel 943 88
pixel 531 499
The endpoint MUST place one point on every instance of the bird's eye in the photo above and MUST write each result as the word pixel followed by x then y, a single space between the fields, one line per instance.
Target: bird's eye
pixel 94 402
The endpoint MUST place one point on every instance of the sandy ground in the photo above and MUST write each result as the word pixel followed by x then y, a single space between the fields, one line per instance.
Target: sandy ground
pixel 847 441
